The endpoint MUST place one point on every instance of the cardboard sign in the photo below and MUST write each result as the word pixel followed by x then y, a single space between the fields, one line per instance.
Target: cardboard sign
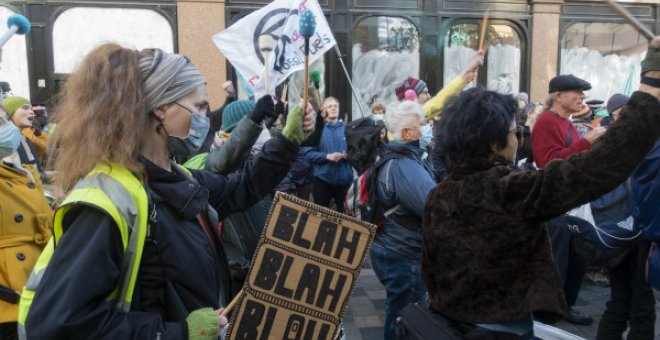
pixel 302 274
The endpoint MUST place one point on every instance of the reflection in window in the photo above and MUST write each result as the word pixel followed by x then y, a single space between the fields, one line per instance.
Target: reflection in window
pixel 14 64
pixel 79 30
pixel 503 58
pixel 385 53
pixel 589 48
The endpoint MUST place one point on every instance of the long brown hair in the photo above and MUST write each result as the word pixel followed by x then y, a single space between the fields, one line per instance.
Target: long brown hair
pixel 101 115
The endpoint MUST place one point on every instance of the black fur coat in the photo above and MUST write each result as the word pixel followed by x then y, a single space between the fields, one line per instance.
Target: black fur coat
pixel 486 254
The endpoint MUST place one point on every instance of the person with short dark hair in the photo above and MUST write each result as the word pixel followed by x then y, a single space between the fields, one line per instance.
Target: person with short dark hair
pixel 486 255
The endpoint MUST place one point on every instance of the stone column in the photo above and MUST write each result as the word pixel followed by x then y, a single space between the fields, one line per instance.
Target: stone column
pixel 545 46
pixel 197 22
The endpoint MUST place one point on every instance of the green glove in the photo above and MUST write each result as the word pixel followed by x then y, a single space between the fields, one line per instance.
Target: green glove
pixel 293 130
pixel 203 324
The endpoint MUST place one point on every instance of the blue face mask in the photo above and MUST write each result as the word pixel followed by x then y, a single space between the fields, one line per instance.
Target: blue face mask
pixel 427 135
pixel 10 139
pixel 378 118
pixel 189 145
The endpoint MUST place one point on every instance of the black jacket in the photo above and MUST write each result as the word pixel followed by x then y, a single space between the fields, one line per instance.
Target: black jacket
pixel 179 272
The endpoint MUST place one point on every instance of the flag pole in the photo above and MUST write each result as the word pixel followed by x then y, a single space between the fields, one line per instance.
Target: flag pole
pixel 350 83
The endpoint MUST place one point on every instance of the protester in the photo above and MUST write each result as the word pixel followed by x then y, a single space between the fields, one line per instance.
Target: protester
pixel 215 117
pixel 433 105
pixel 433 109
pixel 403 184
pixel 121 143
pixel 25 222
pixel 20 113
pixel 555 137
pixel 632 303
pixel 331 171
pixel 487 259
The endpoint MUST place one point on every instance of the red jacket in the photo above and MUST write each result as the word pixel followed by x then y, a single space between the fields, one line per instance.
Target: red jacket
pixel 549 139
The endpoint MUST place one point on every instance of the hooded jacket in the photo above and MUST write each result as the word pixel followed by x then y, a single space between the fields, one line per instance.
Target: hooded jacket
pixel 487 256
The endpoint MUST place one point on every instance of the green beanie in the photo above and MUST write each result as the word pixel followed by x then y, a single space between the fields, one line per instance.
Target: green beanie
pixel 234 112
pixel 13 103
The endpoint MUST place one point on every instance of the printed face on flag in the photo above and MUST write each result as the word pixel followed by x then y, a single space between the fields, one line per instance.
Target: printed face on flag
pixel 281 20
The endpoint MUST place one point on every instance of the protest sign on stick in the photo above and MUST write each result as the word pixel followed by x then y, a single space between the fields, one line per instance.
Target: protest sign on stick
pixel 302 274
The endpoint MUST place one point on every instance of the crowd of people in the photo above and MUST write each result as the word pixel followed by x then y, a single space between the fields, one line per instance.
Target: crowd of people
pixel 160 201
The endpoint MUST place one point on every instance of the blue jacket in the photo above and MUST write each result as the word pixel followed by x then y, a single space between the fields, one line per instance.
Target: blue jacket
pixel 332 140
pixel 646 194
pixel 407 182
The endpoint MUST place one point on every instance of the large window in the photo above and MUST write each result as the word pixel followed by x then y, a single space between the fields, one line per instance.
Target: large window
pixel 385 53
pixel 605 54
pixel 502 60
pixel 79 30
pixel 14 65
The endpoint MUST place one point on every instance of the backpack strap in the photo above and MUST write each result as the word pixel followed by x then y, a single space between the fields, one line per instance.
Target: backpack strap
pixel 381 162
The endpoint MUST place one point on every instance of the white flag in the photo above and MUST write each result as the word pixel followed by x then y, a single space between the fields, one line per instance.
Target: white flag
pixel 280 19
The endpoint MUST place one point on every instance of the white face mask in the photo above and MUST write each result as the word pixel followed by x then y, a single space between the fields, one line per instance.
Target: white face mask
pixel 10 139
pixel 378 118
pixel 427 135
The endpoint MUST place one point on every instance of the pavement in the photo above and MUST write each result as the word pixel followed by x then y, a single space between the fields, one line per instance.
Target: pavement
pixel 365 315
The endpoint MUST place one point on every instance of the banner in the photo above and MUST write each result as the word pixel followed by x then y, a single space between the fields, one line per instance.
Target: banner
pixel 302 274
pixel 280 19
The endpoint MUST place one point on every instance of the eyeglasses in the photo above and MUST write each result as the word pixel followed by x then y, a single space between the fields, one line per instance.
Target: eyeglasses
pixel 202 108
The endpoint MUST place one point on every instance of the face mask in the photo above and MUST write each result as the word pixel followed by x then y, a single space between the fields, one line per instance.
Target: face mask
pixel 10 139
pixel 188 146
pixel 427 135
pixel 378 118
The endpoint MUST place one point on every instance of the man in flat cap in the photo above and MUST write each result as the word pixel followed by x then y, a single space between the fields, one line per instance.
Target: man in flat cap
pixel 555 137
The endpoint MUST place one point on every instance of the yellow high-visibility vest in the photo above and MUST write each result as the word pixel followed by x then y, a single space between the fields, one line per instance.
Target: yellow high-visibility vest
pixel 115 190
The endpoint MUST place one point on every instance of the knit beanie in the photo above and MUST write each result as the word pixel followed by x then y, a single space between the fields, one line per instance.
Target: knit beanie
pixel 234 112
pixel 410 84
pixel 12 104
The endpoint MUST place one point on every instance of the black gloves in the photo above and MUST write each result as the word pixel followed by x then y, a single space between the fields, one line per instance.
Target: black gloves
pixel 265 107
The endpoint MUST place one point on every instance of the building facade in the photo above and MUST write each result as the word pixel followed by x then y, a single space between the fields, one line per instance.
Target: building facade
pixel 381 42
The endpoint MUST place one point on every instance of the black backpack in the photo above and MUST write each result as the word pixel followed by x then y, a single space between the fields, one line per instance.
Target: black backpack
pixel 361 197
pixel 363 142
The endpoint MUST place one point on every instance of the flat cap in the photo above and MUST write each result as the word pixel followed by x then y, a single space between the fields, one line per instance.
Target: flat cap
pixel 566 82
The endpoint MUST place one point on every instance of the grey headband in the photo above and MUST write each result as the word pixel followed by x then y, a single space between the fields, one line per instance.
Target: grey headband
pixel 167 77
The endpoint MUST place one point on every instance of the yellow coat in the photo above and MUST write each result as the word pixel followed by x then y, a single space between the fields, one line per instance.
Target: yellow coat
pixel 40 143
pixel 433 107
pixel 25 228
